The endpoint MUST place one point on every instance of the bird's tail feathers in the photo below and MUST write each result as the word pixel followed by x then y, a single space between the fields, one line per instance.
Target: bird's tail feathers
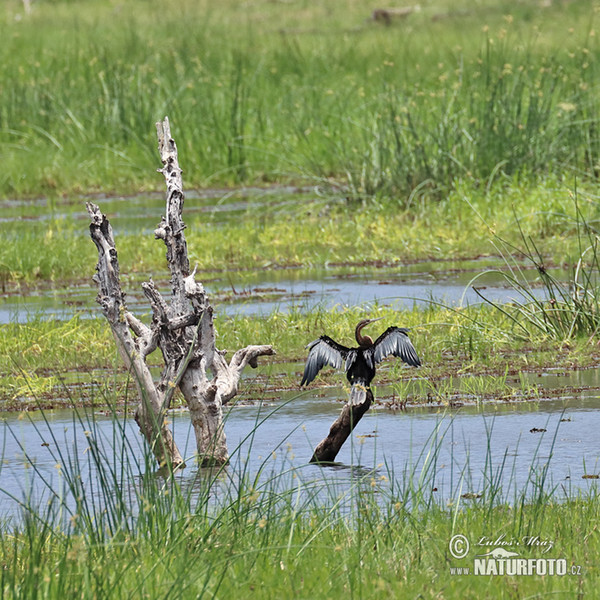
pixel 358 394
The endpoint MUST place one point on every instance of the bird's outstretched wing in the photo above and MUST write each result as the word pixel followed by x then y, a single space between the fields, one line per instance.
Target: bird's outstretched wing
pixel 395 341
pixel 323 351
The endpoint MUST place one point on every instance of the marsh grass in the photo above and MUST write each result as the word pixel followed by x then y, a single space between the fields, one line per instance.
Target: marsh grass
pixel 464 351
pixel 286 92
pixel 107 524
pixel 568 307
pixel 47 344
pixel 278 230
pixel 455 389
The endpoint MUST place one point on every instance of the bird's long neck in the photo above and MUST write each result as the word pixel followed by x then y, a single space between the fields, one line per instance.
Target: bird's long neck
pixel 364 341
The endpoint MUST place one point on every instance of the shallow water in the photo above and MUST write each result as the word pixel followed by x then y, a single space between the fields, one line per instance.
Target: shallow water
pixel 142 213
pixel 454 452
pixel 250 293
pixel 262 292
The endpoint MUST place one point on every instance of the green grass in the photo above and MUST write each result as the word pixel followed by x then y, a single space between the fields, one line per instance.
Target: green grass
pixel 383 553
pixel 38 358
pixel 305 231
pixel 278 91
pixel 289 533
pixel 569 306
pixel 469 351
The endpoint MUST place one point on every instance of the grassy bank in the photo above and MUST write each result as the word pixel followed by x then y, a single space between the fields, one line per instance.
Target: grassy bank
pixel 51 243
pixel 279 91
pixel 468 351
pixel 255 551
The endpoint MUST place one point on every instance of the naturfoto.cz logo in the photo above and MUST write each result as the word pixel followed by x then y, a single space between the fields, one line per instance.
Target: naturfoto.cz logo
pixel 499 560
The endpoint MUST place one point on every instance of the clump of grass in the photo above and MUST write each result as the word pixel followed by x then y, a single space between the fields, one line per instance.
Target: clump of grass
pixel 42 345
pixel 567 308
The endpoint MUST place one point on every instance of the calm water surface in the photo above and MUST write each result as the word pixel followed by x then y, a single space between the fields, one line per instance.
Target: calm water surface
pixel 455 452
pixel 262 292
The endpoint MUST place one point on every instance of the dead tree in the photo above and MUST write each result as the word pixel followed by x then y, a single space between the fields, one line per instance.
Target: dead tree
pixel 182 329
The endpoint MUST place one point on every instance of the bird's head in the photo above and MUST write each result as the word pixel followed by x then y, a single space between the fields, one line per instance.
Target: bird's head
pixel 364 340
pixel 366 322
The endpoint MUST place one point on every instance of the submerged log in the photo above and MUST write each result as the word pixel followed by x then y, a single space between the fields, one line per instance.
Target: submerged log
pixel 182 329
pixel 351 414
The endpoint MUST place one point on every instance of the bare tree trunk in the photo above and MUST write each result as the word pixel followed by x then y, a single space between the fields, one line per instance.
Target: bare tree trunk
pixel 182 329
pixel 351 414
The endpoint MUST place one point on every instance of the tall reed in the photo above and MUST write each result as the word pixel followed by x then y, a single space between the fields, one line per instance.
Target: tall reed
pixel 110 525
pixel 331 98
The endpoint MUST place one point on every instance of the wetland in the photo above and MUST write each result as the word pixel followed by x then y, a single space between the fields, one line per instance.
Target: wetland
pixel 439 172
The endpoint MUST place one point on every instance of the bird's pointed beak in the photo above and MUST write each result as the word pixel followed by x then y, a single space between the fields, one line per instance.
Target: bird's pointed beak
pixel 377 319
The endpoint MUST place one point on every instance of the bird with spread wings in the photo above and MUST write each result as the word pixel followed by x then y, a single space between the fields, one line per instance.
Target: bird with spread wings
pixel 359 363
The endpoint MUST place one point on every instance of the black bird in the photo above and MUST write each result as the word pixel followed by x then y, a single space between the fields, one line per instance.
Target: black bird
pixel 361 361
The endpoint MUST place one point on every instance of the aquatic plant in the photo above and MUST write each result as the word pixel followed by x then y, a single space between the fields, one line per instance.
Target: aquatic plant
pixel 464 350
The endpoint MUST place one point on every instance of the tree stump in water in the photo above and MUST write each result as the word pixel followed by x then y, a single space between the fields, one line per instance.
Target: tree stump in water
pixel 181 328
pixel 351 414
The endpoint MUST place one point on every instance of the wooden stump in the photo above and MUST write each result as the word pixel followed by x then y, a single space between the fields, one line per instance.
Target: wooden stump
pixel 328 448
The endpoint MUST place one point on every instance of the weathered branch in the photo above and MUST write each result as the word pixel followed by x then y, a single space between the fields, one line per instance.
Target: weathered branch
pixel 171 228
pixel 133 351
pixel 230 377
pixel 328 448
